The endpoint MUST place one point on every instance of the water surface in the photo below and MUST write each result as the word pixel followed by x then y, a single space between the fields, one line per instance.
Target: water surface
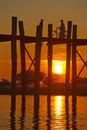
pixel 43 113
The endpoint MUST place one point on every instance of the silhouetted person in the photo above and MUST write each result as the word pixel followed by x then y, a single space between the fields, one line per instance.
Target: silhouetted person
pixel 62 29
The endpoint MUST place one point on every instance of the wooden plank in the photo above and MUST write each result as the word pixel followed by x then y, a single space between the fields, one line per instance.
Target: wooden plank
pixel 50 51
pixel 32 39
pixel 55 41
pixel 22 54
pixel 14 52
pixel 5 37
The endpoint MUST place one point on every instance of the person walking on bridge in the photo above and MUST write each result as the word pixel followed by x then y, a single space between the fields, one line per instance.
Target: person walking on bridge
pixel 62 29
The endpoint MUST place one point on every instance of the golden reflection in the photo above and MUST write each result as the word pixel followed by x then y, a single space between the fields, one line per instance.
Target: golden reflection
pixel 58 105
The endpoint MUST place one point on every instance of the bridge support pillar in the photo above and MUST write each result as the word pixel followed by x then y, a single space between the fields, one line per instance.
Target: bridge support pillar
pixel 74 59
pixel 50 51
pixel 38 55
pixel 22 53
pixel 68 53
pixel 14 52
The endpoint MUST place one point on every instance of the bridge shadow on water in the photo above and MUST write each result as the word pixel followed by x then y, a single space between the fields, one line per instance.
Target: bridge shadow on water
pixel 36 114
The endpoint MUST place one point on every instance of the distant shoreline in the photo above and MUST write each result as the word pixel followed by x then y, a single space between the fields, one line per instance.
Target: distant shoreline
pixel 58 89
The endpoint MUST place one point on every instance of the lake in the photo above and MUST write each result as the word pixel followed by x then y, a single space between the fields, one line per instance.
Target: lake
pixel 43 112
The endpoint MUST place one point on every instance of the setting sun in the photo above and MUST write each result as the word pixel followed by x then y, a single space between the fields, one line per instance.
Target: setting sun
pixel 58 67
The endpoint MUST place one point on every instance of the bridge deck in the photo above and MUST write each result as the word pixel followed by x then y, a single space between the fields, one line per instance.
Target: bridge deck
pixel 33 39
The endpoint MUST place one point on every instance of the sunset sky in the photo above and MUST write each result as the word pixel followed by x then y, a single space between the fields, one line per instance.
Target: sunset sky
pixel 31 12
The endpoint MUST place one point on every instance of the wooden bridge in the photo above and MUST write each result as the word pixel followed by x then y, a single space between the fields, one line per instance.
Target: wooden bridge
pixel 71 42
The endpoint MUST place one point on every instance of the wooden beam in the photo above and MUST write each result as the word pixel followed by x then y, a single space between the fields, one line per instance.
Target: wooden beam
pixel 74 72
pixel 14 52
pixel 74 59
pixel 13 104
pixel 22 53
pixel 38 55
pixel 50 51
pixel 68 50
pixel 32 39
pixel 5 37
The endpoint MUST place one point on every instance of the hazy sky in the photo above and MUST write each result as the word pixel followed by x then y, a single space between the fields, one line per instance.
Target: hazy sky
pixel 31 11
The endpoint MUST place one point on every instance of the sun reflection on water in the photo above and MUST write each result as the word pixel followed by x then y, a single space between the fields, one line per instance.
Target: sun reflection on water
pixel 58 105
pixel 58 112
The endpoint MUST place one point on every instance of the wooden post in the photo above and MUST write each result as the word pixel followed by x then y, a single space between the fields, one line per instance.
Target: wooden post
pixel 68 50
pixel 50 50
pixel 36 111
pixel 74 98
pixel 22 53
pixel 12 113
pixel 37 71
pixel 38 55
pixel 74 59
pixel 13 52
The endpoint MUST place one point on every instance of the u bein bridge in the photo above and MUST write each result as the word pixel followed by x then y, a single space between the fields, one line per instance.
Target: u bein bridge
pixel 71 42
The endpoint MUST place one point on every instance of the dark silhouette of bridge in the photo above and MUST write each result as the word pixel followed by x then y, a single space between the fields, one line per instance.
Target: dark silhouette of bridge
pixel 70 40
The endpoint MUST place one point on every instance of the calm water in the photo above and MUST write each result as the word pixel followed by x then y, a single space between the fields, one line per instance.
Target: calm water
pixel 43 113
